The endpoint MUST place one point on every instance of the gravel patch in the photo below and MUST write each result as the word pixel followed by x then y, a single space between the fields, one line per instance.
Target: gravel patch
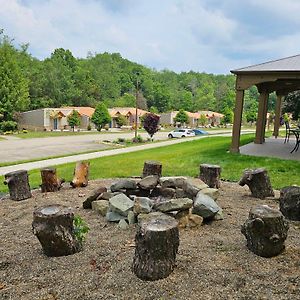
pixel 212 263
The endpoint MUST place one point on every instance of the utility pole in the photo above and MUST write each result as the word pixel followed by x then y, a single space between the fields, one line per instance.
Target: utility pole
pixel 136 103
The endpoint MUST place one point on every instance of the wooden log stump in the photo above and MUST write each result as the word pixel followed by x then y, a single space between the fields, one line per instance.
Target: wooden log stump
pixel 53 226
pixel 152 167
pixel 18 185
pixel 157 242
pixel 50 181
pixel 210 174
pixel 81 174
pixel 265 231
pixel 289 202
pixel 258 182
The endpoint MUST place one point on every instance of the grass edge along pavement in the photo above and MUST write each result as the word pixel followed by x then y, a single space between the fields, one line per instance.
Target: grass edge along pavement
pixel 183 160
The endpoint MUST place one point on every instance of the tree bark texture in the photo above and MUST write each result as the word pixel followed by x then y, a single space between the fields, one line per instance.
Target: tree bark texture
pixel 258 182
pixel 18 185
pixel 157 242
pixel 50 181
pixel 265 231
pixel 210 174
pixel 152 168
pixel 53 226
pixel 289 202
pixel 81 174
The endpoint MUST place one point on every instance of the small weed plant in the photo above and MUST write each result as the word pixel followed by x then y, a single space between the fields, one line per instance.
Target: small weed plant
pixel 80 228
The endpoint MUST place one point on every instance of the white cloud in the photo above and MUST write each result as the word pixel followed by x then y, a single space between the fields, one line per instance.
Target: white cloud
pixel 180 35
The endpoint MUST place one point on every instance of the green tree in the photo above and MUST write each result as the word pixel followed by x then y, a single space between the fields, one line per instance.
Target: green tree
pixel 181 117
pixel 127 100
pixel 251 114
pixel 202 120
pixel 74 119
pixel 292 104
pixel 121 120
pixel 101 116
pixel 14 91
pixel 228 116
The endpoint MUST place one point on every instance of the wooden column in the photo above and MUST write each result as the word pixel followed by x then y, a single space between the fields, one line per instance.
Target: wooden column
pixel 261 117
pixel 236 130
pixel 277 115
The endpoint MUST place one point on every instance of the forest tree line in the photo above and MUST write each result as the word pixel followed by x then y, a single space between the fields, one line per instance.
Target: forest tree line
pixel 27 83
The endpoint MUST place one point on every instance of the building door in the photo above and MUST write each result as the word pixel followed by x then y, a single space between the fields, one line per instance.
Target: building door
pixel 55 124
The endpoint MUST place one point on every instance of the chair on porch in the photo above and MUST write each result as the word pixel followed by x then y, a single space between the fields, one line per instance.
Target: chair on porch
pixel 288 132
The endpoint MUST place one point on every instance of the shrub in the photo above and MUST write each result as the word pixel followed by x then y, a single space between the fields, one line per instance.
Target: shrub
pixel 89 127
pixel 121 140
pixel 121 121
pixel 138 139
pixel 80 228
pixel 8 126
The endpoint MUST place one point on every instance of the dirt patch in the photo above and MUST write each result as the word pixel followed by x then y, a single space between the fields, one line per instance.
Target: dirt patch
pixel 212 263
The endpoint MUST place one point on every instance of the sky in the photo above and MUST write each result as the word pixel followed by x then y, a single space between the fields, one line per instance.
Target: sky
pixel 211 36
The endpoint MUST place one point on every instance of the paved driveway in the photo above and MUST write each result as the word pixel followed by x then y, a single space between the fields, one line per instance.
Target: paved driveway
pixel 24 149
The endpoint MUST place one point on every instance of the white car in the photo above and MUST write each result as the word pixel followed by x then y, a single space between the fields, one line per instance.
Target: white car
pixel 179 133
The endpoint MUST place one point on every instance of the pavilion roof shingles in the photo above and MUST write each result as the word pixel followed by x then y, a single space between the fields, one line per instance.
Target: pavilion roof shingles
pixel 287 64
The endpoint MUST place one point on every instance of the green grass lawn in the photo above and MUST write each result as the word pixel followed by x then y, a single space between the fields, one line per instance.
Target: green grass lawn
pixel 184 159
pixel 42 134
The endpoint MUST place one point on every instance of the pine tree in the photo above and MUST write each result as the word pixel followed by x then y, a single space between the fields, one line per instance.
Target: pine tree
pixel 181 117
pixel 74 119
pixel 101 116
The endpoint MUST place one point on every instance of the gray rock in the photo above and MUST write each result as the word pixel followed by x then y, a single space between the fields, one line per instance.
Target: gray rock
pixel 148 183
pixel 174 205
pixel 100 206
pixel 180 193
pixel 87 204
pixel 219 215
pixel 197 182
pixel 113 216
pixel 123 224
pixel 137 192
pixel 131 218
pixel 167 192
pixel 121 204
pixel 142 205
pixel 123 184
pixel 193 186
pixel 191 190
pixel 107 195
pixel 172 182
pixel 213 193
pixel 205 206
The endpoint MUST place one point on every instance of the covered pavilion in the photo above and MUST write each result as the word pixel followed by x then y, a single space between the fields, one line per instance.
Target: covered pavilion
pixel 281 76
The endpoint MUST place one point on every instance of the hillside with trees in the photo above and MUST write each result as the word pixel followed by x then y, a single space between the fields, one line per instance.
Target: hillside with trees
pixel 27 83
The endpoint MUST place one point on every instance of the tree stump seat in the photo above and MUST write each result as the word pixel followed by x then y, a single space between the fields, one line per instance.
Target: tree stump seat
pixel 81 174
pixel 210 174
pixel 265 231
pixel 157 242
pixel 152 167
pixel 18 185
pixel 289 202
pixel 53 226
pixel 50 181
pixel 258 182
